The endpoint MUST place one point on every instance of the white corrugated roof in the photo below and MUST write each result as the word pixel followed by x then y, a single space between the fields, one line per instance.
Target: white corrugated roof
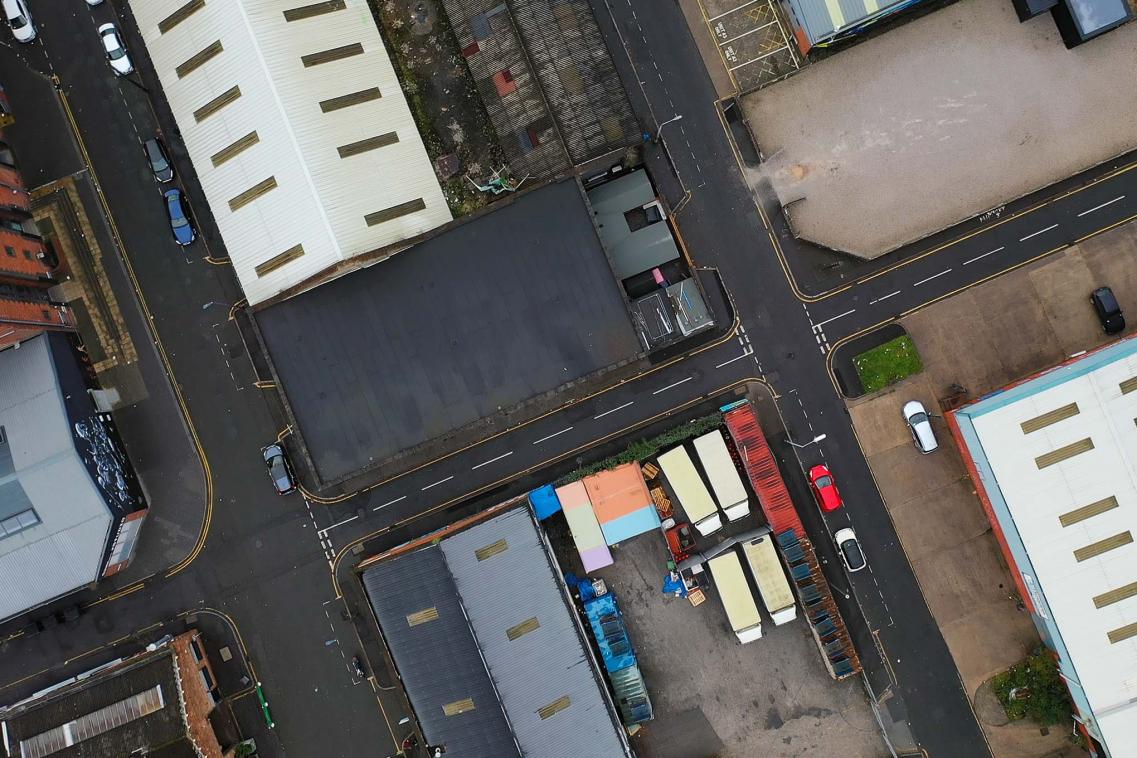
pixel 65 550
pixel 320 200
pixel 1036 498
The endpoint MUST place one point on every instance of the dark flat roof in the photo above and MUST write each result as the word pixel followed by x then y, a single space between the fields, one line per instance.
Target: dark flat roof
pixel 161 728
pixel 484 316
pixel 438 659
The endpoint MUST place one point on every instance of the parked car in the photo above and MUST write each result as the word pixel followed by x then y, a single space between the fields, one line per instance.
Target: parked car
pixel 279 469
pixel 825 488
pixel 115 49
pixel 921 428
pixel 20 19
pixel 1109 312
pixel 159 162
pixel 180 223
pixel 850 550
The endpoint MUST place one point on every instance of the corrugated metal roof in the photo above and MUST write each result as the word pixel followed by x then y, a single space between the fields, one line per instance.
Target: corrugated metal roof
pixel 289 77
pixel 438 660
pixel 65 550
pixel 821 19
pixel 1031 500
pixel 537 668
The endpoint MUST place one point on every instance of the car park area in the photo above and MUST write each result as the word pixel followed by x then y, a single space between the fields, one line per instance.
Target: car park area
pixel 908 116
pixel 981 339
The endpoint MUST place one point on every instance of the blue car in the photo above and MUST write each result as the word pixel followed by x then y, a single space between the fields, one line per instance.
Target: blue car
pixel 180 222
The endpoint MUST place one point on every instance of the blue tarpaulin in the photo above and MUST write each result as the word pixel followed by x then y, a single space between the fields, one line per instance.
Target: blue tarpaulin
pixel 545 502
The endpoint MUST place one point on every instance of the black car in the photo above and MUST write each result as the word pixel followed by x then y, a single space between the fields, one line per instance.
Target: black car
pixel 159 162
pixel 279 469
pixel 1109 312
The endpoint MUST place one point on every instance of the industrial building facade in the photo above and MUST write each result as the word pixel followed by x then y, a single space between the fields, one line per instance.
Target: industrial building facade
pixel 1054 461
pixel 298 130
pixel 490 651
pixel 71 508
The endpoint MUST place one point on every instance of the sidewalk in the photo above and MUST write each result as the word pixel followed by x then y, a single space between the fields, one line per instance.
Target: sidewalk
pixel 111 323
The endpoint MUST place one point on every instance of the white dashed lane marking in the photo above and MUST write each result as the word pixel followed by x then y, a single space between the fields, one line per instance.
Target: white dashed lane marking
pixel 1099 207
pixel 1040 231
pixel 978 257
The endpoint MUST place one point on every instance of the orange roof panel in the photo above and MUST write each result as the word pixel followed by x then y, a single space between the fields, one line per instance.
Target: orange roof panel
pixel 617 492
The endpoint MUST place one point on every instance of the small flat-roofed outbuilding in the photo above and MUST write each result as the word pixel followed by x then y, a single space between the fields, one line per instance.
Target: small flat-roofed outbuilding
pixel 509 305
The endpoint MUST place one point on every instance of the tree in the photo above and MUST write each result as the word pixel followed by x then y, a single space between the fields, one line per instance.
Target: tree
pixel 1034 690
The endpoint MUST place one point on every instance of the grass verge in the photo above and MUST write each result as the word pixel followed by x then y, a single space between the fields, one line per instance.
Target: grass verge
pixel 888 363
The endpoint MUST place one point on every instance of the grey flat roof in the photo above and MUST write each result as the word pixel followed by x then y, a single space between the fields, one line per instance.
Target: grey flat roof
pixel 1093 16
pixel 40 468
pixel 484 316
pixel 545 667
pixel 631 252
pixel 438 660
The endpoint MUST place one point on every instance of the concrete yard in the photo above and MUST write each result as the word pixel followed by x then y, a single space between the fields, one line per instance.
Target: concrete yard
pixel 716 698
pixel 982 339
pixel 939 120
pixel 507 306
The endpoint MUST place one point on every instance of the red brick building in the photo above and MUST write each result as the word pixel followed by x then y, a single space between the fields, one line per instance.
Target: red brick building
pixel 26 265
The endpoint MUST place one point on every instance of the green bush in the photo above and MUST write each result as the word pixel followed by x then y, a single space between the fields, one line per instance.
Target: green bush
pixel 642 449
pixel 1041 697
pixel 888 363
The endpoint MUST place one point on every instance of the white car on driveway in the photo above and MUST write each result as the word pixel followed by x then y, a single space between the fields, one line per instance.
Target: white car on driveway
pixel 20 19
pixel 921 428
pixel 115 50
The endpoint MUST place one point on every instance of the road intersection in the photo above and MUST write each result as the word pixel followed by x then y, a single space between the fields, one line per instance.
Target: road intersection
pixel 264 561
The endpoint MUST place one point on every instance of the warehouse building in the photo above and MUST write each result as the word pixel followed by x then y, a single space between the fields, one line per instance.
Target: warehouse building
pixel 491 654
pixel 70 507
pixel 298 131
pixel 155 703
pixel 1054 460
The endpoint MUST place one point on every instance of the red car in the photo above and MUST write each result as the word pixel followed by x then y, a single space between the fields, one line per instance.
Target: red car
pixel 825 488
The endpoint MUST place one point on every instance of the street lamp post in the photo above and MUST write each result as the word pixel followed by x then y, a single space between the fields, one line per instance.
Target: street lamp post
pixel 818 438
pixel 659 129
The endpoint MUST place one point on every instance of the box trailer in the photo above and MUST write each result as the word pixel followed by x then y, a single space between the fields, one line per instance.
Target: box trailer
pixel 770 578
pixel 723 474
pixel 689 489
pixel 737 599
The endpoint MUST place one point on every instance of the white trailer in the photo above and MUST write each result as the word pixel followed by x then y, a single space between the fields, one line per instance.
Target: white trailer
pixel 689 489
pixel 737 599
pixel 725 481
pixel 770 578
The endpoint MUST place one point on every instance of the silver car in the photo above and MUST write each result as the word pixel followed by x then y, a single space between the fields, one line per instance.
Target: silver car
pixel 921 428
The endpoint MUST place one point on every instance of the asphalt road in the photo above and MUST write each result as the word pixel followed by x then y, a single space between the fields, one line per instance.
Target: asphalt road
pixel 266 560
